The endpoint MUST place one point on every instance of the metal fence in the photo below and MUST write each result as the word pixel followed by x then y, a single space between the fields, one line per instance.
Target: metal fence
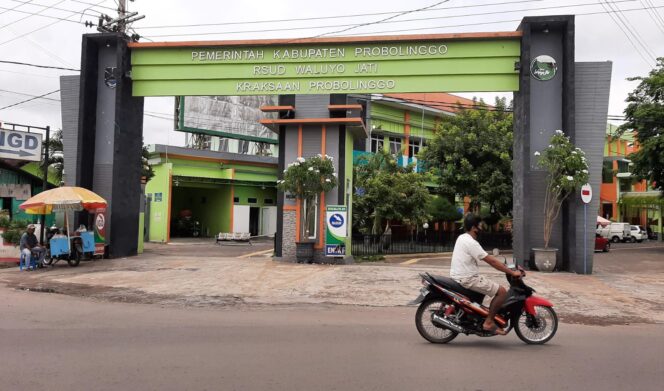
pixel 365 245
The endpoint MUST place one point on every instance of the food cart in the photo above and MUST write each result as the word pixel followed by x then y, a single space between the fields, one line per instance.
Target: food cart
pixel 71 247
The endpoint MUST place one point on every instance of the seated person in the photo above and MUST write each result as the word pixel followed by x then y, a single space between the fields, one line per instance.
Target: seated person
pixel 29 245
pixel 465 270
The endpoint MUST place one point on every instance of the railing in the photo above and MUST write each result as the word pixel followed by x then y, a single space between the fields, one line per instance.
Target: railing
pixel 432 243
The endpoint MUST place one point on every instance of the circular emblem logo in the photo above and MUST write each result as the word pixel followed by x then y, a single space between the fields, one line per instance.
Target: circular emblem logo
pixel 543 68
pixel 336 220
pixel 100 221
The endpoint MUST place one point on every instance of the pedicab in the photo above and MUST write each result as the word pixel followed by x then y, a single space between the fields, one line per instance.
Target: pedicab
pixel 70 247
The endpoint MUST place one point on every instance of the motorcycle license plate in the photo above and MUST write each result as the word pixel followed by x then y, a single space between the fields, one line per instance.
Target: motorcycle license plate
pixel 424 291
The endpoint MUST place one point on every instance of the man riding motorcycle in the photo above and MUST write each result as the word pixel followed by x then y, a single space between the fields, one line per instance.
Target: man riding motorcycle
pixel 465 270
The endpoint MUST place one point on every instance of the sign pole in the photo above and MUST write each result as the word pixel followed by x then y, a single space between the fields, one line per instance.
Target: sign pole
pixel 585 238
pixel 45 181
pixel 586 197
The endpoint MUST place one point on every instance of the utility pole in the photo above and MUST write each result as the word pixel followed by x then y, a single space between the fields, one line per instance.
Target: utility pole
pixel 119 24
pixel 122 10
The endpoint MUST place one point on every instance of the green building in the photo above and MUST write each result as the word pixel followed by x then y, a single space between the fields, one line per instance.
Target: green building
pixel 225 192
pixel 228 188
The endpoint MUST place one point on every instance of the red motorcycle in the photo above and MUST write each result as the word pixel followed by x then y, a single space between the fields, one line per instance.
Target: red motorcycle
pixel 446 309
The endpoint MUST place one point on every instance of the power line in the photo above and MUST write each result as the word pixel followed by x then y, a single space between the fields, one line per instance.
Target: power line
pixel 46 7
pixel 656 18
pixel 396 21
pixel 31 15
pixel 617 22
pixel 11 9
pixel 95 5
pixel 656 12
pixel 483 23
pixel 38 66
pixel 30 95
pixel 630 27
pixel 37 29
pixel 28 74
pixel 29 100
pixel 384 20
pixel 332 17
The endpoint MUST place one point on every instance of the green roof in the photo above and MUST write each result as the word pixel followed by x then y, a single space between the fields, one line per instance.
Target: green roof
pixel 33 169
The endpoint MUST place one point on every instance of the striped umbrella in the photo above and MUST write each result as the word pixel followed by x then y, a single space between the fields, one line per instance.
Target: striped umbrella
pixel 63 199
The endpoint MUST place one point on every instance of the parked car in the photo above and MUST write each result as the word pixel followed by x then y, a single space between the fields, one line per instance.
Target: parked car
pixel 602 243
pixel 616 232
pixel 638 234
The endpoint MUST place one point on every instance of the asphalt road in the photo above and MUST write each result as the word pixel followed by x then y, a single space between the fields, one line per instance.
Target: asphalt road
pixel 65 343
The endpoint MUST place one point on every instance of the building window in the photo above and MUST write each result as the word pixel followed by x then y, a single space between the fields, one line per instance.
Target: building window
pixel 252 200
pixel 413 147
pixel 236 199
pixel 268 201
pixel 395 145
pixel 376 143
pixel 223 145
pixel 312 219
pixel 243 147
pixel 623 166
pixel 607 172
pixel 625 184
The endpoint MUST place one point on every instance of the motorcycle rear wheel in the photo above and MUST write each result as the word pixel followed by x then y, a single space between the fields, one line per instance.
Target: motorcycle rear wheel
pixel 538 329
pixel 425 326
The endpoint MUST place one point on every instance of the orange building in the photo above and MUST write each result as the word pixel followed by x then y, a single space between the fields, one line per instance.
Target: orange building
pixel 622 198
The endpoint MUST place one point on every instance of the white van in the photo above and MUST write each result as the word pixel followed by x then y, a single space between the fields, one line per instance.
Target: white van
pixel 616 232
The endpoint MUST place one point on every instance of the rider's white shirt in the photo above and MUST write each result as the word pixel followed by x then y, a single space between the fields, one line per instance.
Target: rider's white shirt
pixel 466 257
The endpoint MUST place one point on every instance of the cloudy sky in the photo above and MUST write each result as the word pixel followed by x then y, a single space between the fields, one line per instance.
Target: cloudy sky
pixel 48 32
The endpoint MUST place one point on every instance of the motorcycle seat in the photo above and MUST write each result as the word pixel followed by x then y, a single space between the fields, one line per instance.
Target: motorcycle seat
pixel 452 285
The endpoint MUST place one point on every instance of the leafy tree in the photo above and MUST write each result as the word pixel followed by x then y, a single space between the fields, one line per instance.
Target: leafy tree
pixel 306 179
pixel 146 169
pixel 388 192
pixel 645 115
pixel 441 209
pixel 56 162
pixel 567 170
pixel 471 154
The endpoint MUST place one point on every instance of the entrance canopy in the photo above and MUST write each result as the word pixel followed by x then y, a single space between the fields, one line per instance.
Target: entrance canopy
pixel 471 62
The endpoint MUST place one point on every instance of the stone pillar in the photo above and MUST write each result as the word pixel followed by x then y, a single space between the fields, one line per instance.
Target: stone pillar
pixel 593 82
pixel 310 132
pixel 109 139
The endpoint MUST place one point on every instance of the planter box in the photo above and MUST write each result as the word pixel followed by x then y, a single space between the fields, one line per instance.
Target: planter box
pixel 304 252
pixel 545 259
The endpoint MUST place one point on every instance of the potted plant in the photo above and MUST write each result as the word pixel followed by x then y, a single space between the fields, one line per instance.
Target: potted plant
pixel 567 170
pixel 306 179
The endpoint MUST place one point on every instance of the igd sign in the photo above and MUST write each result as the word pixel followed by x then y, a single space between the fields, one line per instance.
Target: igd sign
pixel 20 145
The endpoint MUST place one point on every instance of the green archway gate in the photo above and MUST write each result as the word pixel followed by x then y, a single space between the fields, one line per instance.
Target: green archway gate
pixel 424 63
pixel 316 77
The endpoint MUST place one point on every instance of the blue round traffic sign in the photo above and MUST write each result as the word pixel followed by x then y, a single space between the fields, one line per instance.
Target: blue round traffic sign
pixel 336 220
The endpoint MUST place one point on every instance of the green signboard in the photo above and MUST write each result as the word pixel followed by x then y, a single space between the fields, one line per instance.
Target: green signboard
pixel 336 221
pixel 364 67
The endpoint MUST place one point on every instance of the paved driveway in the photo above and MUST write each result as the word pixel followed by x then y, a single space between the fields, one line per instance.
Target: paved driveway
pixel 617 293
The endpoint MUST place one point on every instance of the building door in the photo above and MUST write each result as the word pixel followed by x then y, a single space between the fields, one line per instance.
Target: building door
pixel 241 218
pixel 254 214
pixel 607 211
pixel 269 220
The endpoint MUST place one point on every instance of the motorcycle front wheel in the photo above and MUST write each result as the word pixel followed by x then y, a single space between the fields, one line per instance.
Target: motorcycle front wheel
pixel 425 326
pixel 537 329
